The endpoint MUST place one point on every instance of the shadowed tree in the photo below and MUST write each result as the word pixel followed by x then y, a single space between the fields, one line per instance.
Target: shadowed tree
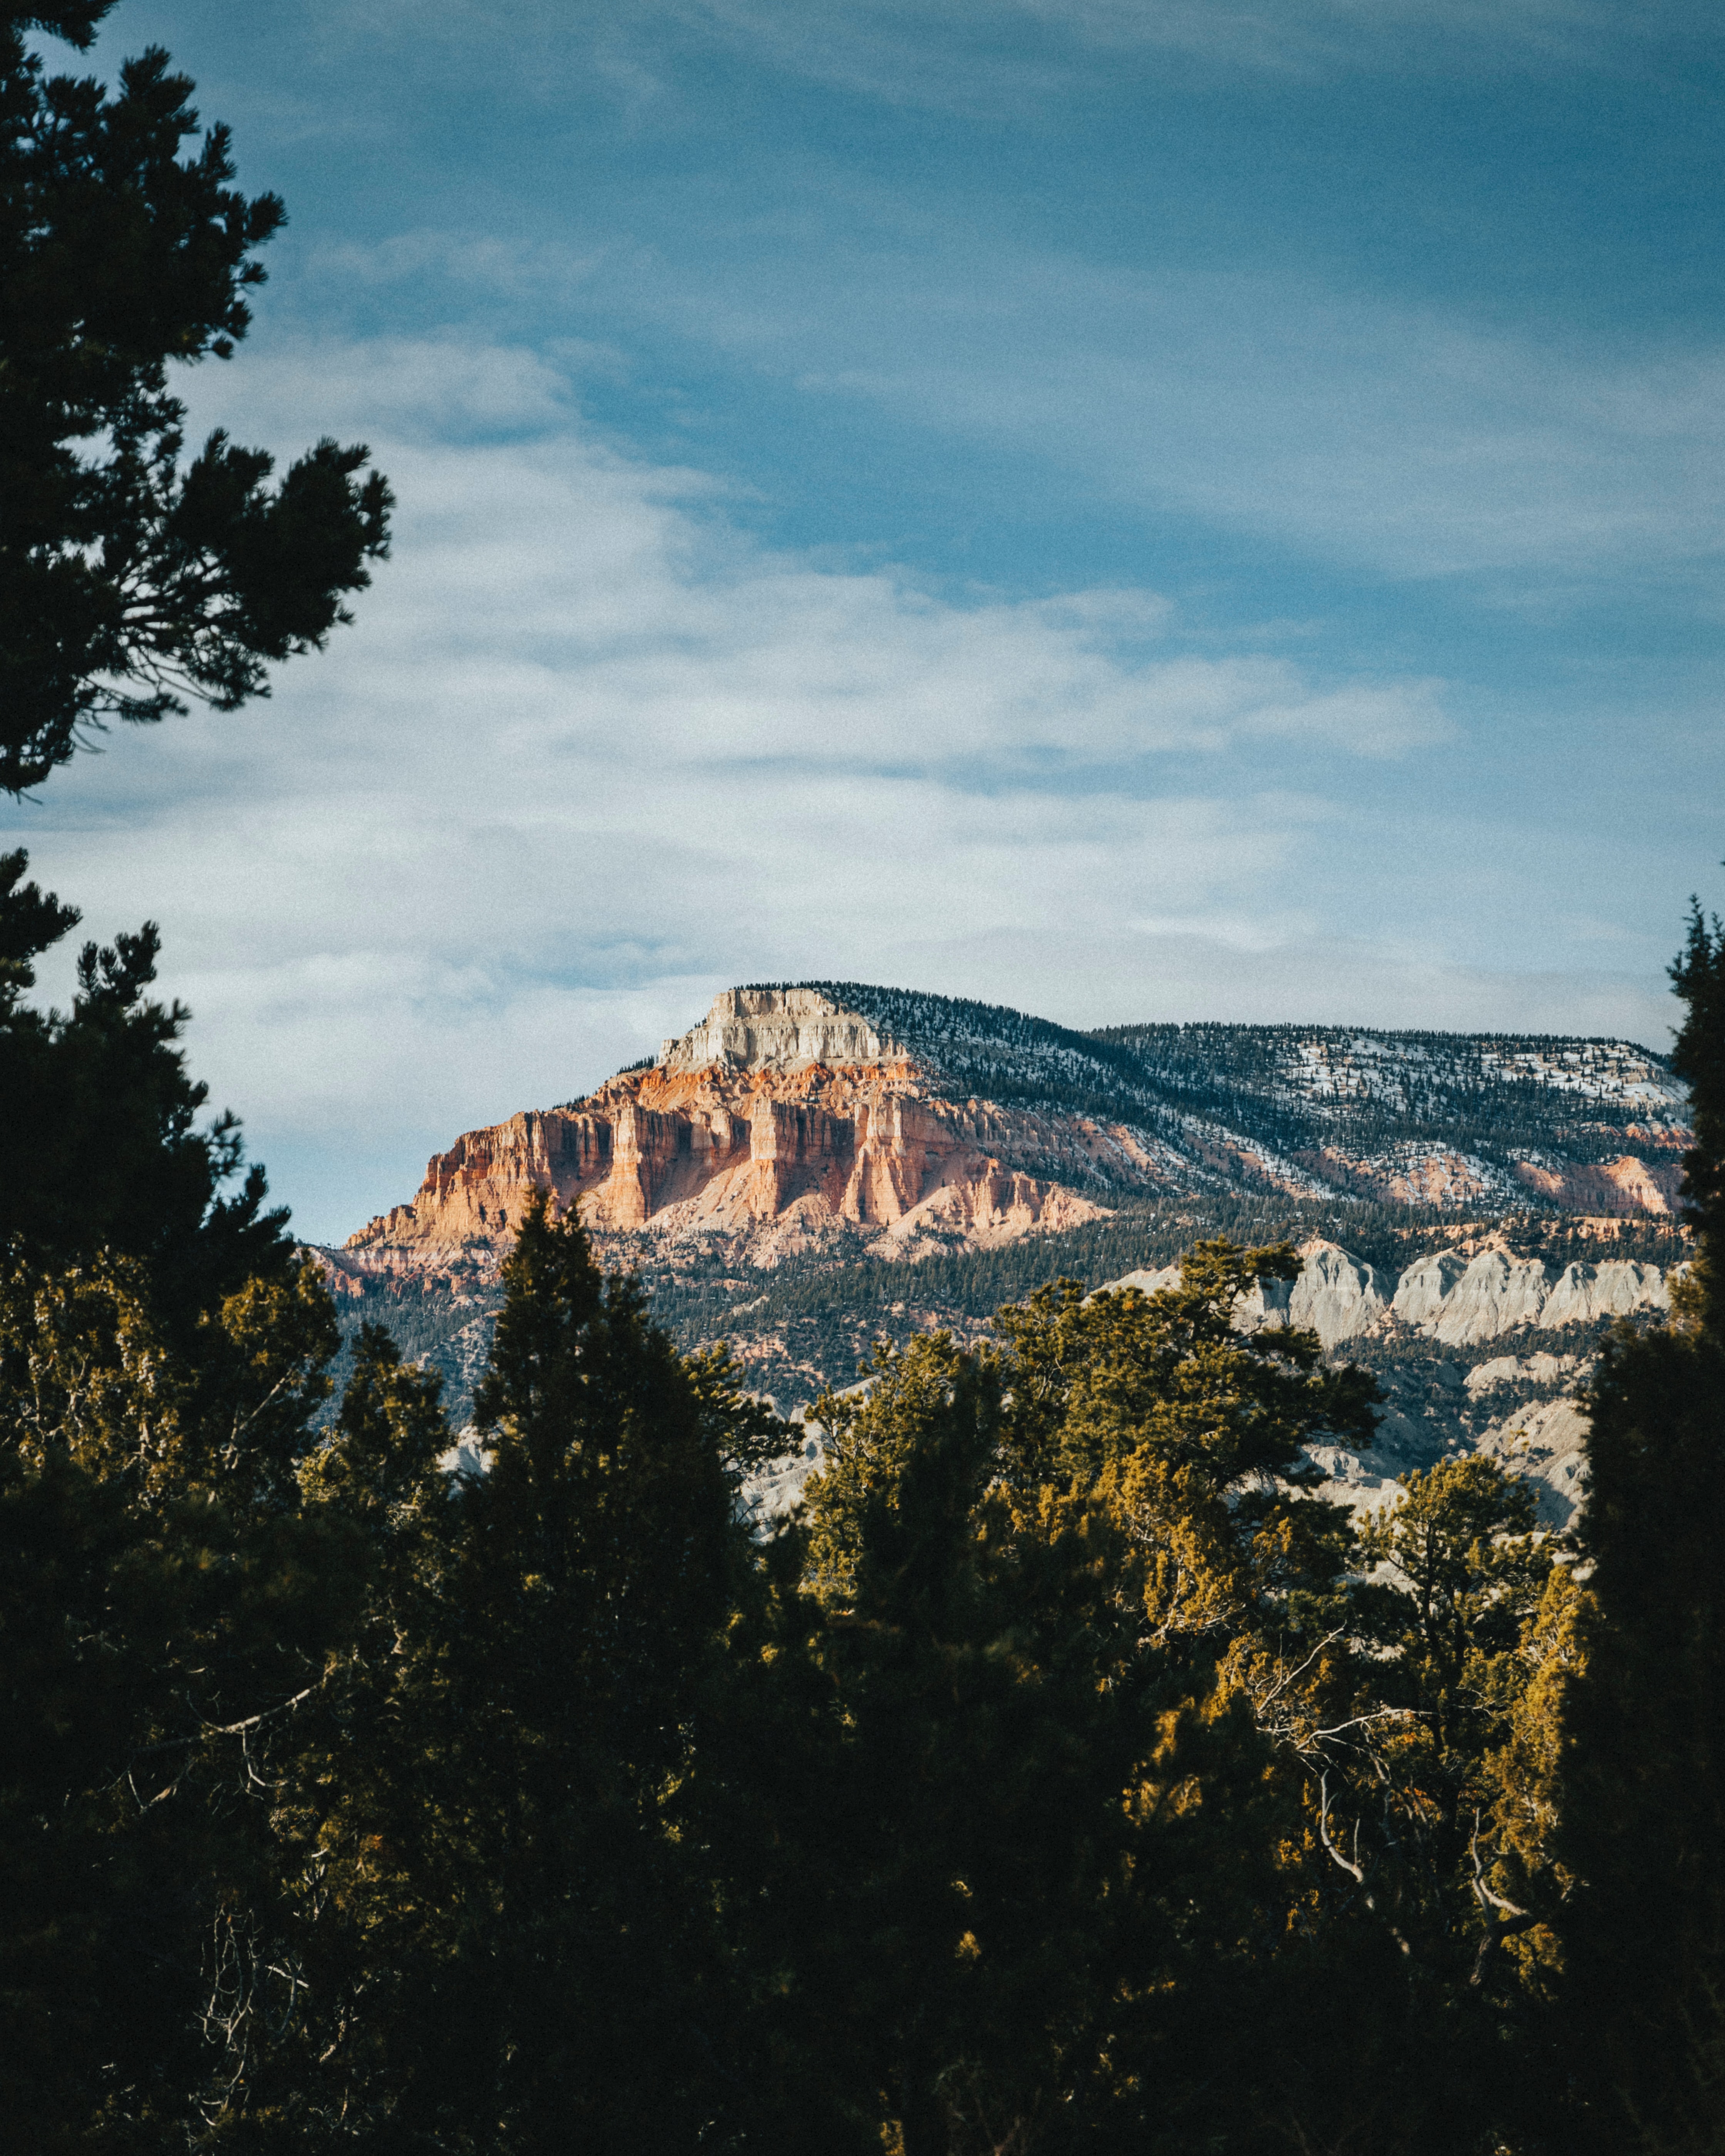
pixel 1642 1774
pixel 129 581
pixel 535 1910
pixel 100 1145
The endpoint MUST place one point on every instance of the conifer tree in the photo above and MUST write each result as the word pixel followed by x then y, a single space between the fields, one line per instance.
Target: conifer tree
pixel 101 1147
pixel 556 1974
pixel 128 583
pixel 985 1655
pixel 1643 1780
pixel 1043 1571
pixel 168 1610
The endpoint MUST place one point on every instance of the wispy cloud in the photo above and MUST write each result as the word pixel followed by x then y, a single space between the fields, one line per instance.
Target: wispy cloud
pixel 1403 439
pixel 591 752
pixel 995 56
pixel 993 49
pixel 1399 439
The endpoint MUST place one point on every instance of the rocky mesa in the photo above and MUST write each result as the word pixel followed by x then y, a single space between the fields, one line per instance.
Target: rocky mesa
pixel 834 1119
pixel 783 1120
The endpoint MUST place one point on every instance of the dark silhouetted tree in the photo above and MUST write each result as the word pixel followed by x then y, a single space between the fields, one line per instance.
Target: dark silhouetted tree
pixel 1642 1776
pixel 129 581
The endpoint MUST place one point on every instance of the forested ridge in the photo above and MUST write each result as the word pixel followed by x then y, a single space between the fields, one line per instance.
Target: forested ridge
pixel 1068 1777
pixel 805 1322
pixel 1294 1088
pixel 1365 1088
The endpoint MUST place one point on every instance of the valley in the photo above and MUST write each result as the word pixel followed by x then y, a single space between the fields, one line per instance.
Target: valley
pixel 816 1167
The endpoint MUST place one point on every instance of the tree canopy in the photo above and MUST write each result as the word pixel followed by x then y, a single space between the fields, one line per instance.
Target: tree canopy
pixel 1639 1780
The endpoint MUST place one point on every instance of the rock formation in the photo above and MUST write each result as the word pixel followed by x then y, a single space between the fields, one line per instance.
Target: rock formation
pixel 835 1119
pixel 827 1122
pixel 1457 1300
pixel 776 1028
pixel 1433 1408
pixel 781 1119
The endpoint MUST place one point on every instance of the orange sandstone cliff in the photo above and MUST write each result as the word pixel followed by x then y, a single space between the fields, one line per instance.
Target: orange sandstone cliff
pixel 781 1120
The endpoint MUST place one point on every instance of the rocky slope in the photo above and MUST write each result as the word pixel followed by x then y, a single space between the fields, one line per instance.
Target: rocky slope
pixel 1484 1121
pixel 1520 1407
pixel 841 1118
pixel 1449 1297
pixel 815 1164
pixel 1416 1330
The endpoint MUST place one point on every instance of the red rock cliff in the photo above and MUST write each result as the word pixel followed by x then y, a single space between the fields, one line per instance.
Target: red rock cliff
pixel 714 1149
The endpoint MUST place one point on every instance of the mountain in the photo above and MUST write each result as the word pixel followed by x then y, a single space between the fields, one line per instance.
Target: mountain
pixel 816 1163
pixel 839 1116
pixel 1483 1120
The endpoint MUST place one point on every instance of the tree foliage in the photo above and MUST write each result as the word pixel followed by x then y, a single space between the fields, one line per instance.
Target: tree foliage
pixel 127 580
pixel 1640 1790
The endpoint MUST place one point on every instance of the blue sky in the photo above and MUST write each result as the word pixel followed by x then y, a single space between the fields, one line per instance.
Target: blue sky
pixel 1130 510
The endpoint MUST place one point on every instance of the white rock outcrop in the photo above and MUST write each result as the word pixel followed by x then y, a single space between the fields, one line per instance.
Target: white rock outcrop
pixel 1147 1283
pixel 775 1028
pixel 1422 1289
pixel 1464 1301
pixel 1494 1293
pixel 1516 1369
pixel 1613 1290
pixel 775 1490
pixel 1546 1447
pixel 1457 1300
pixel 1338 1296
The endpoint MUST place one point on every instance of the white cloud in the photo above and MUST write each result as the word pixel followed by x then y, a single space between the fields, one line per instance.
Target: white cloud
pixel 590 753
pixel 1401 439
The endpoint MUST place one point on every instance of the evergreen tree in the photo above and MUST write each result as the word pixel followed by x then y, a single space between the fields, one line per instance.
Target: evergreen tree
pixel 1080 1607
pixel 168 1609
pixel 1643 1781
pixel 1644 1784
pixel 128 583
pixel 1017 1795
pixel 539 1962
pixel 101 1147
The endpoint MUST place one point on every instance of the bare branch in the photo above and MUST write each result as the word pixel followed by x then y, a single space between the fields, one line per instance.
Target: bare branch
pixel 1498 1928
pixel 1323 1829
pixel 251 1721
pixel 1352 1866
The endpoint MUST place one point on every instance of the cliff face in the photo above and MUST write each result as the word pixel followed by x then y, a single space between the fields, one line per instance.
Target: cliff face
pixel 744 1127
pixel 1520 1409
pixel 1454 1297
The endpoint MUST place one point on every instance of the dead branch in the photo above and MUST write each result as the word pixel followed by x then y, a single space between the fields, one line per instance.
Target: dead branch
pixel 1352 1866
pixel 1499 1927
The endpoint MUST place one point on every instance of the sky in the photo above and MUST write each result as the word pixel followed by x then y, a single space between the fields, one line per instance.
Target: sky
pixel 1130 509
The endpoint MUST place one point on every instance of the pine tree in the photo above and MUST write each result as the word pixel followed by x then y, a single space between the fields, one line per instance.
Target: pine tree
pixel 100 1147
pixel 1643 1781
pixel 126 583
pixel 548 1914
pixel 169 1607
pixel 1048 1572
pixel 167 1611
